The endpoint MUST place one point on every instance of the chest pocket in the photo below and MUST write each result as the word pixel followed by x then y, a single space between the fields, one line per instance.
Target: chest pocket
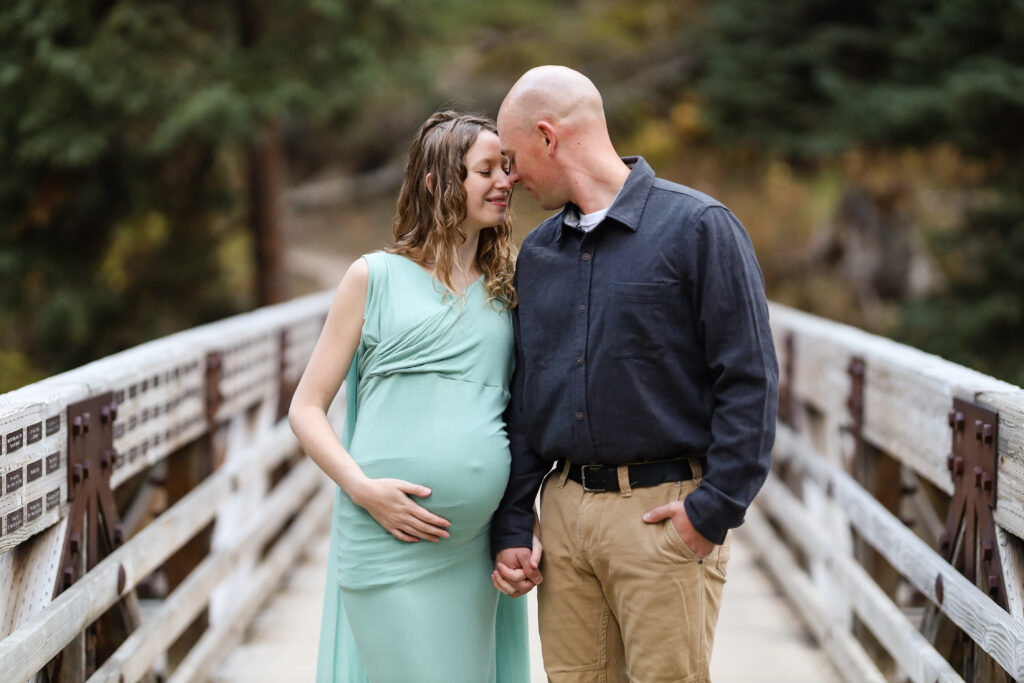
pixel 637 319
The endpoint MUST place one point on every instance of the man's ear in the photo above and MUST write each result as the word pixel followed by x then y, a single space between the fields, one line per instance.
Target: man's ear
pixel 430 183
pixel 550 139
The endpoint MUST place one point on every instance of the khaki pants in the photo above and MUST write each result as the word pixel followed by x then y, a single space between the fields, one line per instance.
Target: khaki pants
pixel 623 600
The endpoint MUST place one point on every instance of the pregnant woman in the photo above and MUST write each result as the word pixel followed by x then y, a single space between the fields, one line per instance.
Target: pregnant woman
pixel 423 333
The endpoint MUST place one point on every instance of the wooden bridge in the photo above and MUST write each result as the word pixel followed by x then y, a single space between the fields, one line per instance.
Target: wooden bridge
pixel 158 522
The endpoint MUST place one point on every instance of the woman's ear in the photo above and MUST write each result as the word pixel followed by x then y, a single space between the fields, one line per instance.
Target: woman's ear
pixel 430 183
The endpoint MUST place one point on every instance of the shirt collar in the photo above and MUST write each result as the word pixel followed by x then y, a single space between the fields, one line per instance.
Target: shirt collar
pixel 628 205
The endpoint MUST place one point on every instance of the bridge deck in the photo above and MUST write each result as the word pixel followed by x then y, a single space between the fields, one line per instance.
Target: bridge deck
pixel 759 637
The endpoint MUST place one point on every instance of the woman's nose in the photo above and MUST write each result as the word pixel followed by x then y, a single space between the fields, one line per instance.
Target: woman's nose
pixel 504 181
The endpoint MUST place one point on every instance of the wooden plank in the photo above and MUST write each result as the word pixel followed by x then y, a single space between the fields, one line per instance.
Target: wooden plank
pixel 32 576
pixel 138 653
pixel 907 392
pixel 849 657
pixel 914 654
pixel 186 469
pixel 981 619
pixel 1009 512
pixel 29 648
pixel 165 416
pixel 213 646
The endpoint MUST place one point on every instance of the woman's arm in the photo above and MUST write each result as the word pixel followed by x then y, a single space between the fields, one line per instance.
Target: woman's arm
pixel 387 500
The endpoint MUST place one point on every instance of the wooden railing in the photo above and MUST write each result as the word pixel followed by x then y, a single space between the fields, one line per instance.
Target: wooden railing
pixel 150 501
pixel 894 514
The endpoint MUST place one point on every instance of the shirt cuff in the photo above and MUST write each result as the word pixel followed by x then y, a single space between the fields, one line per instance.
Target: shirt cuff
pixel 711 514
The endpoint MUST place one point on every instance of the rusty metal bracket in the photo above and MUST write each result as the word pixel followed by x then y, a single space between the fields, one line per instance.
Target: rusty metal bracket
pixel 285 388
pixel 91 461
pixel 973 466
pixel 787 395
pixel 214 395
pixel 94 527
pixel 855 403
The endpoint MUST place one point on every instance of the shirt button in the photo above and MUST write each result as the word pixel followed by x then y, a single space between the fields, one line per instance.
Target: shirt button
pixel 579 416
pixel 586 256
pixel 579 361
pixel 582 308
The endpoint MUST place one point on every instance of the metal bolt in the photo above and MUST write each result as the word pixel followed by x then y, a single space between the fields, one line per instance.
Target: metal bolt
pixel 105 414
pixel 951 417
pixel 977 429
pixel 993 585
pixel 69 577
pixel 85 423
pixel 958 464
pixel 118 534
pixel 76 474
pixel 987 433
pixel 76 543
pixel 960 420
pixel 986 551
pixel 85 470
pixel 944 542
pixel 986 481
pixel 76 425
pixel 977 476
pixel 949 461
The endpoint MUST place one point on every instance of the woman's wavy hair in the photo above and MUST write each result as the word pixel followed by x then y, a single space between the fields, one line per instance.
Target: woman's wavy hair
pixel 426 225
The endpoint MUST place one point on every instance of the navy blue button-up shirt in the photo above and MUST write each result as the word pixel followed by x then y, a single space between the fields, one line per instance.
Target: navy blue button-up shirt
pixel 644 339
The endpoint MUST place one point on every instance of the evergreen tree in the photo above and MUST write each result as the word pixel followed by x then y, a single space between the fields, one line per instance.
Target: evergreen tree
pixel 811 79
pixel 131 134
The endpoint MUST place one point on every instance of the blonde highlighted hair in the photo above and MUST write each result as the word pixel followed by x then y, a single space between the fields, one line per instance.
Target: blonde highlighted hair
pixel 426 225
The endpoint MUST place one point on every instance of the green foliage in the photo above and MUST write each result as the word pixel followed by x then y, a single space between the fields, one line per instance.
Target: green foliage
pixel 811 79
pixel 123 131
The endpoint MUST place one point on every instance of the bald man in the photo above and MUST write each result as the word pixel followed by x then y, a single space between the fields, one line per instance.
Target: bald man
pixel 644 397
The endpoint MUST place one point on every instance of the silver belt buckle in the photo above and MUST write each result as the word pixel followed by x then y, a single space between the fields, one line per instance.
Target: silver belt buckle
pixel 583 477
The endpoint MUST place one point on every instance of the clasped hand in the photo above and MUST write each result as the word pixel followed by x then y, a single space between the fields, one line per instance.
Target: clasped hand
pixel 388 501
pixel 517 570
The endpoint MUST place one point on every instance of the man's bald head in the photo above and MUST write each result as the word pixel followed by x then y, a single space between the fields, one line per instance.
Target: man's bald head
pixel 552 128
pixel 556 94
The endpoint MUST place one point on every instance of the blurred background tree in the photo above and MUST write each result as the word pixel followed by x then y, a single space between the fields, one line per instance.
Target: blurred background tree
pixel 143 148
pixel 870 149
pixel 924 95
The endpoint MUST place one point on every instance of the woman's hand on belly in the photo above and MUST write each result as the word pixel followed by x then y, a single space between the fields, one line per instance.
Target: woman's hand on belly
pixel 388 502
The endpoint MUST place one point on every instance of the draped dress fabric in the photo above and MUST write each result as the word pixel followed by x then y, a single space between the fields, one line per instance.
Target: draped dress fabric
pixel 425 397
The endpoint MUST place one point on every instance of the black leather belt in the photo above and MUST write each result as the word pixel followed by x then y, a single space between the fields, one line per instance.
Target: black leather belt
pixel 606 477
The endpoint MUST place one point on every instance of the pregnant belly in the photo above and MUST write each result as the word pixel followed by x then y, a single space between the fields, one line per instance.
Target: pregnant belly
pixel 454 444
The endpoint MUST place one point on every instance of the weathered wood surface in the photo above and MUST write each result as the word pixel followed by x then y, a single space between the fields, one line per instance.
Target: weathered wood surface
pixel 225 632
pixel 994 630
pixel 34 643
pixel 852 663
pixel 138 653
pixel 161 405
pixel 907 396
pixel 919 661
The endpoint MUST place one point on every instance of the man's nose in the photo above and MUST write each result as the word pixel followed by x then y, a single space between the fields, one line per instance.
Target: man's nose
pixel 513 176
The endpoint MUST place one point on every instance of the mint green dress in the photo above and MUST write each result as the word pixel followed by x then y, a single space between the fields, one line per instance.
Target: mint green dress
pixel 426 394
